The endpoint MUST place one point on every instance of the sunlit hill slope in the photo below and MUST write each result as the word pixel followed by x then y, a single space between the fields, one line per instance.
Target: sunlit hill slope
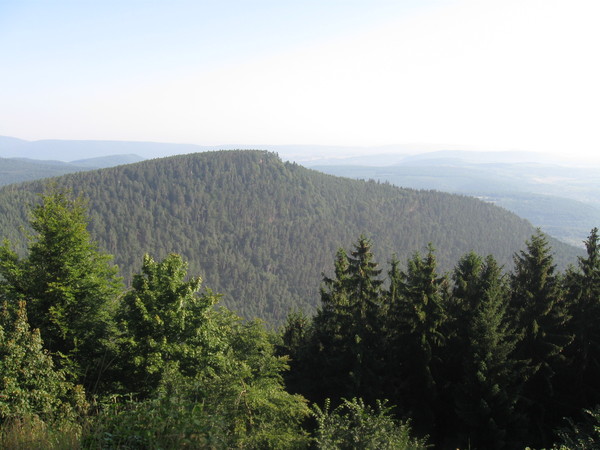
pixel 260 231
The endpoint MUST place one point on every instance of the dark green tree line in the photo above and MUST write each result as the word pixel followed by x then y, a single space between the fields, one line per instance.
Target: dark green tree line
pixel 478 358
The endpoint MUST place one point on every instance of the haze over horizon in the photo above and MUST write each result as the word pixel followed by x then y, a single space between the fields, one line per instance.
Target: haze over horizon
pixel 511 75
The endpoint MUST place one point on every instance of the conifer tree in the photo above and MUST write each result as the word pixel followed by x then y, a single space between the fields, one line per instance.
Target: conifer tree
pixel 347 329
pixel 416 338
pixel 295 344
pixel 538 306
pixel 367 320
pixel 395 305
pixel 395 279
pixel 69 284
pixel 583 294
pixel 486 391
pixel 329 360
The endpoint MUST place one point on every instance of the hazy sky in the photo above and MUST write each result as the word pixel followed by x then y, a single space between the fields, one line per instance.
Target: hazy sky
pixel 508 74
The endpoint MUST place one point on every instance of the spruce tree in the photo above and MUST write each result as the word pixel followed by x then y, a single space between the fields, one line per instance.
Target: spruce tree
pixel 295 344
pixel 539 309
pixel 367 320
pixel 416 338
pixel 489 375
pixel 69 284
pixel 329 360
pixel 347 329
pixel 583 294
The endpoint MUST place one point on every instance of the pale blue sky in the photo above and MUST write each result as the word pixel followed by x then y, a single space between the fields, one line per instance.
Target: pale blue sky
pixel 511 74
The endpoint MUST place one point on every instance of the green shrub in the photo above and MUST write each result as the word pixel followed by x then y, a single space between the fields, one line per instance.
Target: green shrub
pixel 168 423
pixel 30 384
pixel 354 425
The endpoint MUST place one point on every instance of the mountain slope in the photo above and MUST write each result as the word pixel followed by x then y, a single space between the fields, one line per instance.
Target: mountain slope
pixel 17 170
pixel 562 200
pixel 260 231
pixel 102 162
pixel 70 150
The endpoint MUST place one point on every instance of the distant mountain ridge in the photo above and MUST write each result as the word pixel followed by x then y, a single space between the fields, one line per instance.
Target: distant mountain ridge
pixel 551 192
pixel 17 170
pixel 75 150
pixel 261 231
pixel 101 162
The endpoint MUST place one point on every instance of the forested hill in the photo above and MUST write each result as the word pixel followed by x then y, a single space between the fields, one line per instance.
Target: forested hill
pixel 261 231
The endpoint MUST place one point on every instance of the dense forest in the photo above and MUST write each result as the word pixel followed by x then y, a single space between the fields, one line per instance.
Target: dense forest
pixel 15 170
pixel 398 357
pixel 561 199
pixel 260 231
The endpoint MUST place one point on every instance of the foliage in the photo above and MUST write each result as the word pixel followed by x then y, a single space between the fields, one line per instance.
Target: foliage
pixel 30 385
pixel 236 401
pixel 583 294
pixel 154 424
pixel 15 170
pixel 249 389
pixel 354 425
pixel 472 360
pixel 566 209
pixel 161 320
pixel 69 285
pixel 182 352
pixel 541 314
pixel 581 436
pixel 415 325
pixel 30 431
pixel 465 357
pixel 486 387
pixel 349 325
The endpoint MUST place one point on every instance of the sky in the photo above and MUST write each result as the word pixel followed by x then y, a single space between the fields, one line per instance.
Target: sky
pixel 486 74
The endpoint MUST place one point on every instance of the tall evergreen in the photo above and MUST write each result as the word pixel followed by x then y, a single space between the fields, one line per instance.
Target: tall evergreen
pixel 416 338
pixel 583 293
pixel 69 284
pixel 347 328
pixel 329 361
pixel 539 309
pixel 487 388
pixel 295 344
pixel 367 320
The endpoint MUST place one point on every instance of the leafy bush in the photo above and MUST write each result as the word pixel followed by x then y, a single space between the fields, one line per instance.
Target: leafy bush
pixel 227 411
pixel 354 425
pixel 30 384
pixel 166 423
